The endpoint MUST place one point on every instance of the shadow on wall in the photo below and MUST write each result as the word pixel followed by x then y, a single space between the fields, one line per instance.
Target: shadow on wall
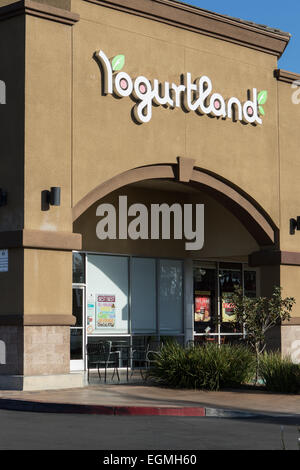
pixel 2 353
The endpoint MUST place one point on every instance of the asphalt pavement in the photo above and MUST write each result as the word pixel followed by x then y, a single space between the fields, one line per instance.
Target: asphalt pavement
pixel 43 431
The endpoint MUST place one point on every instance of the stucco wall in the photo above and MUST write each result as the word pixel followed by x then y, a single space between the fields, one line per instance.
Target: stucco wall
pixel 289 138
pixel 107 142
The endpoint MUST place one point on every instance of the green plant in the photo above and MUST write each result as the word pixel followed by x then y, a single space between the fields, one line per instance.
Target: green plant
pixel 207 367
pixel 279 374
pixel 258 315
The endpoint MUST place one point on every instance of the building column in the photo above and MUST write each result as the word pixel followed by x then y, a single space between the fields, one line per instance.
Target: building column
pixel 36 289
pixel 290 331
pixel 188 301
pixel 280 268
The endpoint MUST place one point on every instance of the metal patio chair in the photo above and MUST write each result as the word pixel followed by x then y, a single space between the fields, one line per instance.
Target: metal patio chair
pixel 138 360
pixel 101 355
pixel 144 358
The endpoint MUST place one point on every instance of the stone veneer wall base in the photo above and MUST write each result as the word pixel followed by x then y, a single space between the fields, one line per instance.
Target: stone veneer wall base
pixel 42 382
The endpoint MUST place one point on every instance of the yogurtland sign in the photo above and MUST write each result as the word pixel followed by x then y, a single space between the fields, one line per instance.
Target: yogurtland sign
pixel 197 95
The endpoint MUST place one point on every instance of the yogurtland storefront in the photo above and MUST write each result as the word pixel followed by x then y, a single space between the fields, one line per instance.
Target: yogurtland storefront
pixel 149 166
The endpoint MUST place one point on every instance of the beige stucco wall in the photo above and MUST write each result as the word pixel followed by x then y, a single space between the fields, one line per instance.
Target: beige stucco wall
pixel 290 281
pixel 47 282
pixel 48 122
pixel 245 155
pixel 289 138
pixel 73 137
pixel 76 138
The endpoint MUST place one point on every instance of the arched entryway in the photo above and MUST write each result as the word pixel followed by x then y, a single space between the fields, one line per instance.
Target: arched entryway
pixel 249 212
pixel 155 288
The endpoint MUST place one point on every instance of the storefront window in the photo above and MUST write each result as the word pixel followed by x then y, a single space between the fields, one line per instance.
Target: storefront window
pixel 77 333
pixel 205 312
pixel 230 277
pixel 143 295
pixel 144 341
pixel 233 339
pixel 120 345
pixel 250 283
pixel 107 295
pixel 78 306
pixel 78 268
pixel 170 300
pixel 76 344
pixel 135 301
pixel 214 319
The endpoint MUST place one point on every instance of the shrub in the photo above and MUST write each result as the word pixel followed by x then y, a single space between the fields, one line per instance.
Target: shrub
pixel 259 315
pixel 280 374
pixel 207 367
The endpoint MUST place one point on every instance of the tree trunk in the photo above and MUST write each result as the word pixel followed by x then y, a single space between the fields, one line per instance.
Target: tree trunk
pixel 257 352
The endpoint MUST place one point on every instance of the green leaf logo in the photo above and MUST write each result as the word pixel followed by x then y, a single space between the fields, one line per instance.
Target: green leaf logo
pixel 262 99
pixel 118 62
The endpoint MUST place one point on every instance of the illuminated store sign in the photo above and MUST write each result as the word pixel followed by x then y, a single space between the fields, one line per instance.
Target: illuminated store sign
pixel 197 95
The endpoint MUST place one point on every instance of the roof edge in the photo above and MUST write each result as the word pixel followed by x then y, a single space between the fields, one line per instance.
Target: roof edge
pixel 286 76
pixel 181 15
pixel 41 10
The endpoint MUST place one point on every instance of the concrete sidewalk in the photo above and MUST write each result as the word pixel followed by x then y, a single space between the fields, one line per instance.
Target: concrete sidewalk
pixel 141 399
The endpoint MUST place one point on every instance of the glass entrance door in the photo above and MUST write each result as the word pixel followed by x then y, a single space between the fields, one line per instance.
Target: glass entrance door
pixel 77 331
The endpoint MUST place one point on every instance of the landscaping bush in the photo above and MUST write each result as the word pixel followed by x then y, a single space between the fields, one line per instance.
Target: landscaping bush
pixel 279 374
pixel 207 367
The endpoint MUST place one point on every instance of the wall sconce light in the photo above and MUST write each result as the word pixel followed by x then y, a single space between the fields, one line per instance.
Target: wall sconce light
pixel 3 198
pixel 294 225
pixel 51 198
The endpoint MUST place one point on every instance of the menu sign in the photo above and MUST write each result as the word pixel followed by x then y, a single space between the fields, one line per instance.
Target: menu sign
pixel 105 311
pixel 202 308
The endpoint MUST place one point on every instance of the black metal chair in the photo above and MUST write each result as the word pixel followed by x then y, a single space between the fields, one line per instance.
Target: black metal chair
pixel 101 355
pixel 153 349
pixel 143 358
pixel 138 360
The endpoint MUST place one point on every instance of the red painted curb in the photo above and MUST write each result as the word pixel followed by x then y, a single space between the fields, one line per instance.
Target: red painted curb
pixel 158 411
pixel 44 407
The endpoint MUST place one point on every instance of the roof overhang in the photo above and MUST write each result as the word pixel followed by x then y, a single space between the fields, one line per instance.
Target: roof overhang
pixel 181 15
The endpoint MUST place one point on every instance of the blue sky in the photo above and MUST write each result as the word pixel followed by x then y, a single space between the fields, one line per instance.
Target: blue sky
pixel 276 14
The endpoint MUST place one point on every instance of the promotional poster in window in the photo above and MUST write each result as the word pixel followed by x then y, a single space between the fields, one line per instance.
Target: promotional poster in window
pixel 105 311
pixel 202 307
